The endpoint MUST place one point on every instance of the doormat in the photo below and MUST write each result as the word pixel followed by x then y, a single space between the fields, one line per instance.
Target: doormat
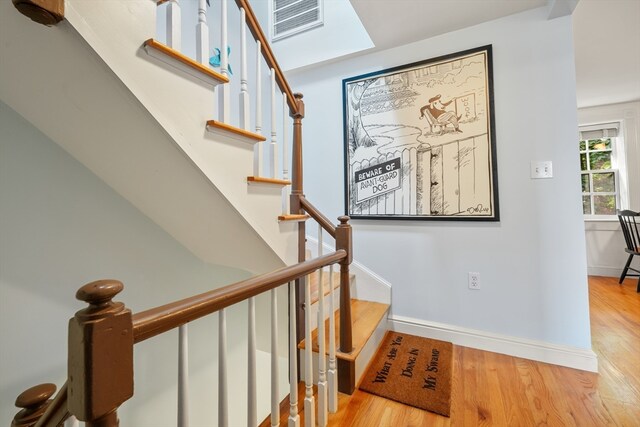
pixel 412 370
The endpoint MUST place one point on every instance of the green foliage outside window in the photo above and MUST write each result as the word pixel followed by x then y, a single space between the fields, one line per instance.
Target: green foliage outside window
pixel 598 180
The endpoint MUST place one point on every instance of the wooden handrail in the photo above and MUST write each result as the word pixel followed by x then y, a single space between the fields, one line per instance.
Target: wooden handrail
pixel 161 319
pixel 56 412
pixel 258 35
pixel 318 216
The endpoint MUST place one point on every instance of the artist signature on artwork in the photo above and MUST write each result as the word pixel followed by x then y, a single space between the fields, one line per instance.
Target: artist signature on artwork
pixel 479 208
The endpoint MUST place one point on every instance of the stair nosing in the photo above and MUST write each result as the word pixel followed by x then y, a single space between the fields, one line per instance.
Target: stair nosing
pixel 184 60
pixel 296 217
pixel 235 131
pixel 263 180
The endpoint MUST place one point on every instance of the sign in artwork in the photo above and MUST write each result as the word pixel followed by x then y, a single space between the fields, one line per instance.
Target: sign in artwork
pixel 377 180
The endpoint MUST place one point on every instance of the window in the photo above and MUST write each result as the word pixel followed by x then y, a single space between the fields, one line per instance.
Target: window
pixel 290 17
pixel 599 172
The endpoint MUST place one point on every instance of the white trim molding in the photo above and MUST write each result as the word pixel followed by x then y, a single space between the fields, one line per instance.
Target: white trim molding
pixel 606 271
pixel 572 357
pixel 367 286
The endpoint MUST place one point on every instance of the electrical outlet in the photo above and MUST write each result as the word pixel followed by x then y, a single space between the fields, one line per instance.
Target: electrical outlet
pixel 474 280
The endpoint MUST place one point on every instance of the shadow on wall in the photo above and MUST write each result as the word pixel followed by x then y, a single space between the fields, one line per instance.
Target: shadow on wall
pixel 62 227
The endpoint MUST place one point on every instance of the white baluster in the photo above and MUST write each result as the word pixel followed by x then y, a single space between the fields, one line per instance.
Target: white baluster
pixel 322 375
pixel 275 392
pixel 183 376
pixel 333 373
pixel 274 141
pixel 285 154
pixel 223 401
pixel 225 102
pixel 257 153
pixel 252 411
pixel 202 34
pixel 294 418
pixel 174 31
pixel 244 83
pixel 309 401
pixel 72 422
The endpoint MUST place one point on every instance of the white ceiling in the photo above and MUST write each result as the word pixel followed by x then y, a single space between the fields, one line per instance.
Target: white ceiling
pixel 606 32
pixel 607 47
pixel 397 22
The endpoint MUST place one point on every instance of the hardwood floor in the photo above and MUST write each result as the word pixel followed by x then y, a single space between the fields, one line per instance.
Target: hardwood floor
pixel 490 389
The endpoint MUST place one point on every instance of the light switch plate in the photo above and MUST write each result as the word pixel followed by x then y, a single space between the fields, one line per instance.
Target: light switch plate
pixel 541 169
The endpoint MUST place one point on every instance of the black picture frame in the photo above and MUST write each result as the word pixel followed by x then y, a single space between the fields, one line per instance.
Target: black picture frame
pixel 419 140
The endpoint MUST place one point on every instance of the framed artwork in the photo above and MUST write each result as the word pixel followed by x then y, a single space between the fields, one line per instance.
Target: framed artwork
pixel 419 140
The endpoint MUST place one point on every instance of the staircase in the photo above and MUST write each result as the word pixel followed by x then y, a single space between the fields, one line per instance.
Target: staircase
pixel 201 166
pixel 369 324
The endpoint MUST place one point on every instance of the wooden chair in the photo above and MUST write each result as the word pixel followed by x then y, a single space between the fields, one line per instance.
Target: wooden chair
pixel 433 121
pixel 630 224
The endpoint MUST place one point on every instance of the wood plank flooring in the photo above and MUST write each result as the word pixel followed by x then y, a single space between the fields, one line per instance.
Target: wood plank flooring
pixel 491 389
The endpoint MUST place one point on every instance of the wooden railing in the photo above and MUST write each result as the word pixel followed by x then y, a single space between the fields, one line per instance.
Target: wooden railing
pixel 101 337
pixel 267 53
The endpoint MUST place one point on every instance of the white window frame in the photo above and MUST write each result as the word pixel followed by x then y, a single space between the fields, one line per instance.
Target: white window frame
pixel 617 168
pixel 306 27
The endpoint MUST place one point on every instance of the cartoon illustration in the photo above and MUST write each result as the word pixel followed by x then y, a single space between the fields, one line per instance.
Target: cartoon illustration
pixel 435 164
pixel 436 114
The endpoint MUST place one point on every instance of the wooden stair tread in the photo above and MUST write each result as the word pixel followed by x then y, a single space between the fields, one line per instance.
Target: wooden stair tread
pixel 263 180
pixel 251 137
pixel 365 316
pixel 293 217
pixel 184 60
pixel 315 285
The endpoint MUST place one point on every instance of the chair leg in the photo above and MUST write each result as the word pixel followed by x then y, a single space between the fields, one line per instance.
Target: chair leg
pixel 626 268
pixel 638 287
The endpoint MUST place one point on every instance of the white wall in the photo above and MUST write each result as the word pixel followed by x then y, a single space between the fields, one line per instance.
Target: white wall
pixel 143 148
pixel 61 227
pixel 532 263
pixel 341 34
pixel 605 243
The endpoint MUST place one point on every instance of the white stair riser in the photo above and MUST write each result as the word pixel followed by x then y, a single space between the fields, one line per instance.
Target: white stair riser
pixel 365 356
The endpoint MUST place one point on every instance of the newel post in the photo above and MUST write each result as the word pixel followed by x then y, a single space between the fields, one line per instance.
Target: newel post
pixel 296 207
pixel 34 403
pixel 46 12
pixel 100 355
pixel 296 156
pixel 346 369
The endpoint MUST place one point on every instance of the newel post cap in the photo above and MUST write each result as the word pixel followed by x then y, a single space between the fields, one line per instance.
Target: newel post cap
pixel 33 403
pixel 344 219
pixel 299 114
pixel 344 239
pixel 99 292
pixel 46 12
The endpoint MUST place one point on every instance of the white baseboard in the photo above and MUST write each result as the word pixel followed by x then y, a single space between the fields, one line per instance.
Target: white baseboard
pixel 604 271
pixel 571 357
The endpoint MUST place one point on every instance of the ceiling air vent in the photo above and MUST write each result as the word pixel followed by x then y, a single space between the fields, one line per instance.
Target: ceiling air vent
pixel 294 16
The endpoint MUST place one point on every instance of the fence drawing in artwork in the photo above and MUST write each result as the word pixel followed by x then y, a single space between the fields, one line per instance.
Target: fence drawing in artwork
pixel 419 140
pixel 443 181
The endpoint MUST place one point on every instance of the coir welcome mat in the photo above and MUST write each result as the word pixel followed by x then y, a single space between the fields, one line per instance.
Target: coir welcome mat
pixel 412 370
